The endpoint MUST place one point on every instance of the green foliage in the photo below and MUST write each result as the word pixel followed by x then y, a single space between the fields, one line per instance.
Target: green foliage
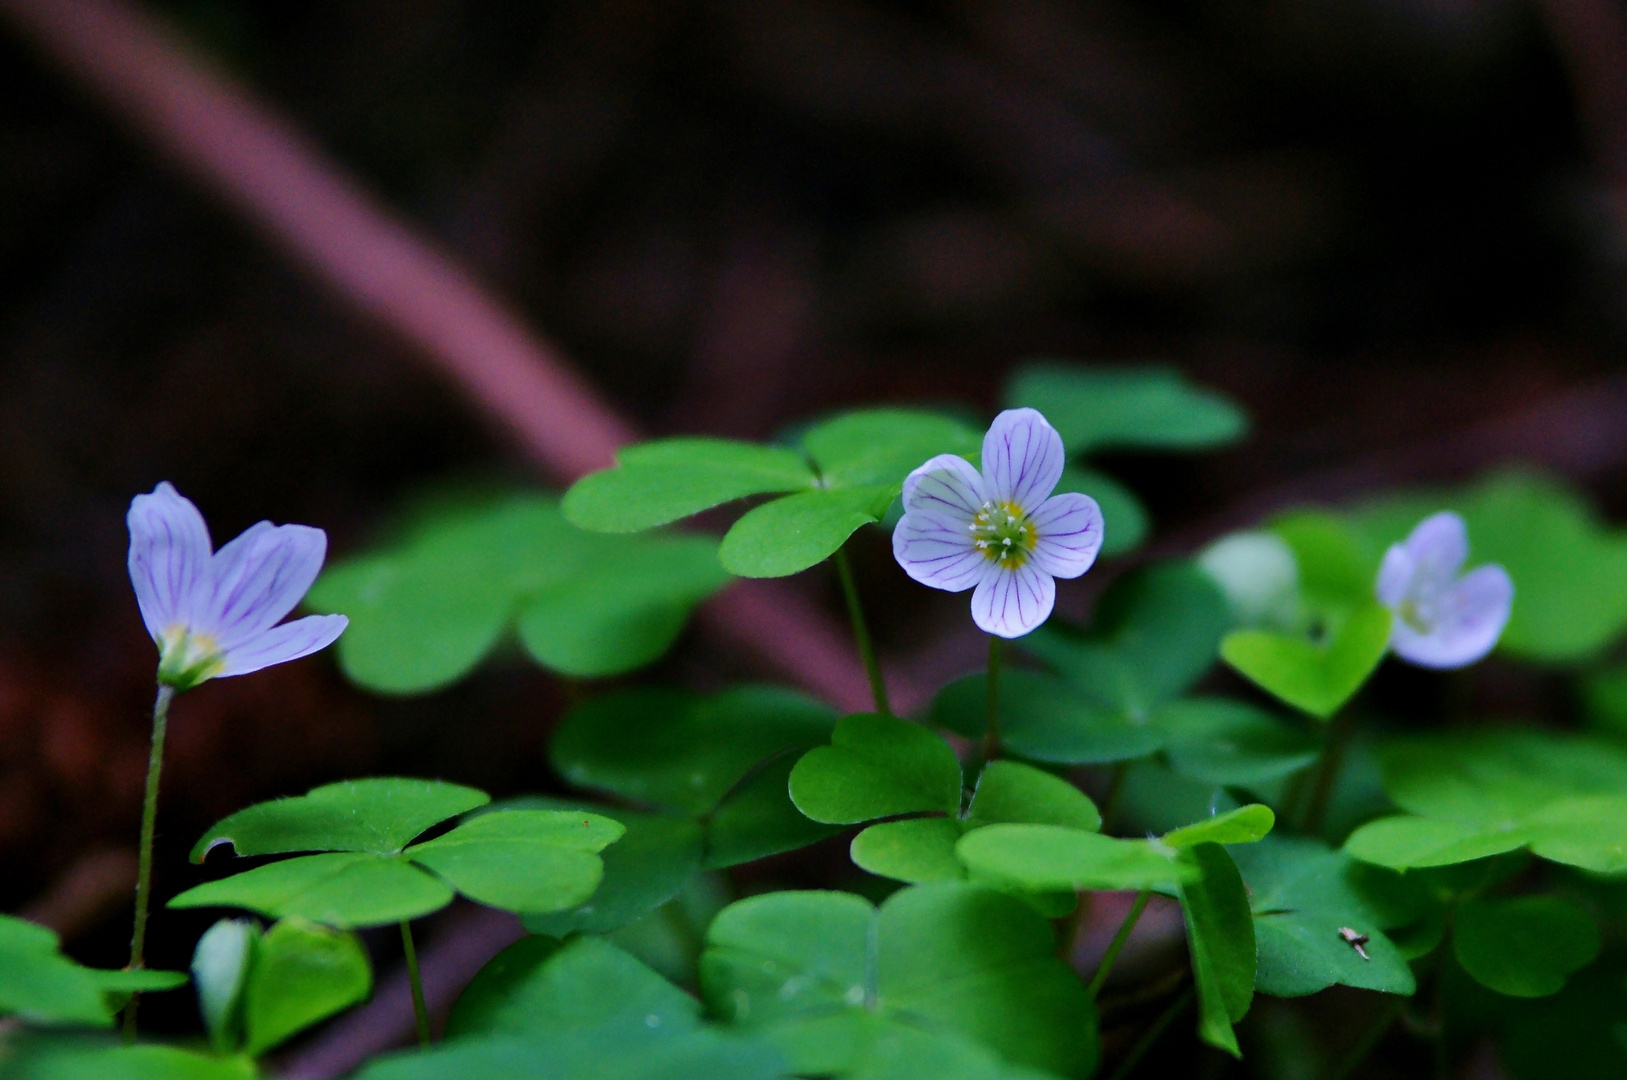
pixel 876 766
pixel 301 973
pixel 1473 796
pixel 1045 719
pixel 100 1061
pixel 1145 407
pixel 1317 678
pixel 1244 825
pixel 1220 939
pixel 521 860
pixel 1124 520
pixel 1302 894
pixel 1049 857
pixel 425 611
pixel 1524 947
pixel 847 475
pixel 41 986
pixel 950 956
pixel 721 760
pixel 1227 742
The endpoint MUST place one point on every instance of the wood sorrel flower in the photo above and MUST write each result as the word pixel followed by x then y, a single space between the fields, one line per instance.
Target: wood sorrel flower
pixel 215 613
pixel 1442 620
pixel 999 532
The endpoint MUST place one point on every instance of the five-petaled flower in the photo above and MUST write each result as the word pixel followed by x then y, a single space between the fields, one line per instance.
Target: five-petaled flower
pixel 215 613
pixel 1001 532
pixel 1442 620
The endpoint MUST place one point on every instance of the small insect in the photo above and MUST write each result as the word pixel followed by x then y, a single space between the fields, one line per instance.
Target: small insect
pixel 1355 941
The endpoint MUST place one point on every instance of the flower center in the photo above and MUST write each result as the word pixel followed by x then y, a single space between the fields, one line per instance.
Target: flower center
pixel 1003 533
pixel 186 659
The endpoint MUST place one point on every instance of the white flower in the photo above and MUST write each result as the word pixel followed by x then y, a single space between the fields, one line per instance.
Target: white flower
pixel 1442 620
pixel 998 532
pixel 215 614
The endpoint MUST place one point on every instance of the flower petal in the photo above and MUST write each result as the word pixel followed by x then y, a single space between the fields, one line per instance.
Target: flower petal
pixel 1068 534
pixel 1470 618
pixel 1438 546
pixel 1022 458
pixel 1010 603
pixel 290 641
pixel 257 579
pixel 937 550
pixel 169 555
pixel 1395 576
pixel 946 484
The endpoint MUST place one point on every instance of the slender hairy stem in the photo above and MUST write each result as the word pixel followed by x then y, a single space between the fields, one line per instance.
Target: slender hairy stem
pixel 144 872
pixel 1165 1019
pixel 1327 773
pixel 420 1012
pixel 1117 944
pixel 991 737
pixel 861 634
pixel 1358 1053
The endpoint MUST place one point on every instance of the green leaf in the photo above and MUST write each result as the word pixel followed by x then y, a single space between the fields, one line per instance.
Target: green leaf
pixel 1044 719
pixel 340 889
pixel 302 974
pixel 537 987
pixel 1227 742
pixel 949 956
pixel 876 766
pixel 917 850
pixel 1404 843
pixel 658 482
pixel 1156 632
pixel 681 751
pixel 522 860
pixel 1135 407
pixel 149 1062
pixel 789 535
pixel 379 815
pixel 647 867
pixel 857 1045
pixel 220 968
pixel 586 1055
pixel 1009 791
pixel 1124 520
pixel 1244 825
pixel 1048 857
pixel 758 819
pixel 1525 947
pixel 1574 1035
pixel 882 446
pixel 624 611
pixel 1302 895
pixel 1220 939
pixel 1314 678
pixel 40 984
pixel 1336 572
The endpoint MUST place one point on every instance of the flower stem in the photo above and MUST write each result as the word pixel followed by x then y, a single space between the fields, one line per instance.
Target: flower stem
pixel 1145 1043
pixel 861 634
pixel 144 871
pixel 1117 944
pixel 1327 773
pixel 991 737
pixel 420 1012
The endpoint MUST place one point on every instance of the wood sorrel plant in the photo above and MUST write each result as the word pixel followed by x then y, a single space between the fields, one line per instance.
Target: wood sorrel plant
pixel 1457 876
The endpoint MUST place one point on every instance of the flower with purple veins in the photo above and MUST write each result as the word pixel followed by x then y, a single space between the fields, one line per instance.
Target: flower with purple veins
pixel 1442 620
pixel 215 613
pixel 1000 532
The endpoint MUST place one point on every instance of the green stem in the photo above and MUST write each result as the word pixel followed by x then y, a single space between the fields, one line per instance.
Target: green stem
pixel 420 1012
pixel 144 871
pixel 991 737
pixel 1115 788
pixel 1117 944
pixel 1369 1039
pixel 861 634
pixel 1327 774
pixel 1145 1043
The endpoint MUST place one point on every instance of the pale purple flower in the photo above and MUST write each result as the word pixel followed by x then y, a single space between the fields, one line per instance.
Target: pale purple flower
pixel 215 613
pixel 1442 620
pixel 998 532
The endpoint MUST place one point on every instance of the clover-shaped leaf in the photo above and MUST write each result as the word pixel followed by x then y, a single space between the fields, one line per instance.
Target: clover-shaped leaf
pixel 301 974
pixel 1470 797
pixel 876 766
pixel 42 986
pixel 1132 407
pixel 847 474
pixel 722 761
pixel 1318 678
pixel 521 860
pixel 150 1061
pixel 425 611
pixel 1044 718
pixel 1231 743
pixel 1525 946
pixel 954 957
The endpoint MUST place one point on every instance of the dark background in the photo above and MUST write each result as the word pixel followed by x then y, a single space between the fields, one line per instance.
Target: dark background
pixel 1375 223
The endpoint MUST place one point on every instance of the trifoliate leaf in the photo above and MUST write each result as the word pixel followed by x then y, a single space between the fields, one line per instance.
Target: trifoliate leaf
pixel 379 815
pixel 917 850
pixel 340 889
pixel 1049 857
pixel 882 446
pixel 1009 791
pixel 789 535
pixel 757 819
pixel 876 766
pixel 1524 947
pixel 1045 719
pixel 522 860
pixel 1228 742
pixel 41 986
pixel 1133 407
pixel 659 482
pixel 1315 678
pixel 954 956
pixel 302 974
